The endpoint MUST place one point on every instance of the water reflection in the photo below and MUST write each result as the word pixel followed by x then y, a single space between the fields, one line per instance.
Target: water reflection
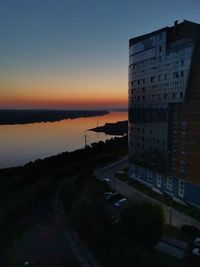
pixel 22 143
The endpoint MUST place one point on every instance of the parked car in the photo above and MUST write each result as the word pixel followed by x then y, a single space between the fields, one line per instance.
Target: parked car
pixel 115 196
pixel 190 229
pixel 196 252
pixel 107 181
pixel 197 241
pixel 121 203
pixel 107 195
pixel 111 195
pixel 114 220
pixel 121 172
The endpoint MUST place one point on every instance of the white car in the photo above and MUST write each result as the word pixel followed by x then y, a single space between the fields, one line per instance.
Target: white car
pixel 107 181
pixel 196 251
pixel 121 203
pixel 197 241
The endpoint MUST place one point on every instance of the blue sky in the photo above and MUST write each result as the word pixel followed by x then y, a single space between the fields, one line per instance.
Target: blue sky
pixel 80 41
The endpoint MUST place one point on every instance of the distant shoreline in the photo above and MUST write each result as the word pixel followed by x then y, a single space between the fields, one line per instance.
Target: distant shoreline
pixel 118 128
pixel 12 117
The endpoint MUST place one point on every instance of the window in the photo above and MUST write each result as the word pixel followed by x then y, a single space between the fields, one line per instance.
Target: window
pixel 181 94
pixel 165 77
pixel 181 188
pixel 175 75
pixel 138 81
pixel 152 79
pixel 165 96
pixel 182 73
pixel 143 89
pixel 182 165
pixel 169 183
pixel 182 63
pixel 159 77
pixel 160 48
pixel 158 180
pixel 149 177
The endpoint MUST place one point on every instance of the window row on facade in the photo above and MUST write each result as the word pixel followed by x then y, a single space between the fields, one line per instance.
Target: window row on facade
pixel 159 97
pixel 153 79
pixel 165 182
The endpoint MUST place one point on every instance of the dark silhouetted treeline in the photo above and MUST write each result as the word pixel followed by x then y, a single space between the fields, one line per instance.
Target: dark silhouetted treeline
pixel 118 128
pixel 31 116
pixel 129 242
pixel 26 193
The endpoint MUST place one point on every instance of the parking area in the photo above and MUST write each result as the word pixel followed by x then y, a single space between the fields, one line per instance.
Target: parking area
pixel 175 247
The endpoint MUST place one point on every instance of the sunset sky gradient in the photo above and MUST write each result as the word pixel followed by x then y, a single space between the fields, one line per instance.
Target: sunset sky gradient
pixel 74 53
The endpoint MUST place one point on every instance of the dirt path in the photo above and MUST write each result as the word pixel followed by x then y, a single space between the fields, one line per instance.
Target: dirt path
pixel 84 256
pixel 51 245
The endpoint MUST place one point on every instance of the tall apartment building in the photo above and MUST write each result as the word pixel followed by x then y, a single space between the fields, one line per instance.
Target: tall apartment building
pixel 164 110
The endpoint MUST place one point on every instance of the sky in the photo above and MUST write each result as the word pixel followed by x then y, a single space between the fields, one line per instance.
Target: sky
pixel 68 54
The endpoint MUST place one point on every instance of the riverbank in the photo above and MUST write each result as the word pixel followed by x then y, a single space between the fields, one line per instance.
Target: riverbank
pixel 10 117
pixel 22 143
pixel 117 128
pixel 27 193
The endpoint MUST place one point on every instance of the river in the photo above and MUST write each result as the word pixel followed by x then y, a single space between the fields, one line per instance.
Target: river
pixel 20 144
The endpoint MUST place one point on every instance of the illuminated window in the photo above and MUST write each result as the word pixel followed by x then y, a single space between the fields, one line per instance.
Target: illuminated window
pixel 169 183
pixel 158 180
pixel 149 177
pixel 181 188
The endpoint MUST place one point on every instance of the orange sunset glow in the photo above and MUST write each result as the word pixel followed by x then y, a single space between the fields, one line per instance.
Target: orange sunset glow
pixel 55 93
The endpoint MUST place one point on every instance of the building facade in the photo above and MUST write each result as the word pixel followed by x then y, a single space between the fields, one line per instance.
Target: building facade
pixel 164 110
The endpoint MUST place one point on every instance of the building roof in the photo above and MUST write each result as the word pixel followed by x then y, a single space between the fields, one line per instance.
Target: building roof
pixel 140 38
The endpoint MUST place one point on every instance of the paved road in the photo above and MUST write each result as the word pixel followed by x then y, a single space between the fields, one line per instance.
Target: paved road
pixel 171 246
pixel 172 216
pixel 170 250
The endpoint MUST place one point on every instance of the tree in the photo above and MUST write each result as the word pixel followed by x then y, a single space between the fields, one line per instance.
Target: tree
pixel 68 193
pixel 142 224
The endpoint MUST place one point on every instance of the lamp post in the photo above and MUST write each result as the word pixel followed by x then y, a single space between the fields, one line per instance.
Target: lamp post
pixel 170 216
pixel 114 182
